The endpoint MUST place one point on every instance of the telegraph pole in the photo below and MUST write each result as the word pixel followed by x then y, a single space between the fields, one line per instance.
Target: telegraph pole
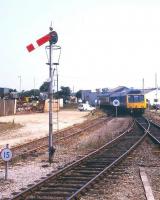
pixel 34 86
pixel 156 85
pixel 20 82
pixel 143 85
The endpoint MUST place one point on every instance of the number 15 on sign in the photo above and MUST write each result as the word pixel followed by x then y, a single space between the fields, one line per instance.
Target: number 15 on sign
pixel 6 154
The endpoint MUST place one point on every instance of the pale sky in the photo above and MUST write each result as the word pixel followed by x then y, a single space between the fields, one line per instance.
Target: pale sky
pixel 104 43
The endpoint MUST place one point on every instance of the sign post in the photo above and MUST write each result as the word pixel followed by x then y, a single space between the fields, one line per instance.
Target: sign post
pixel 116 103
pixel 6 155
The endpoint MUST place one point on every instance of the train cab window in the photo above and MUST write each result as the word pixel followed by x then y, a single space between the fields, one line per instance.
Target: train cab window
pixel 141 98
pixel 130 98
pixel 135 98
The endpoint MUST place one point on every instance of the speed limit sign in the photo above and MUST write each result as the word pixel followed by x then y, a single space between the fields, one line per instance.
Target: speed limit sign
pixel 116 102
pixel 6 154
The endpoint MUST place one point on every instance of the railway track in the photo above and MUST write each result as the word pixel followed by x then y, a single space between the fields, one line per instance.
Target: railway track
pixel 42 143
pixel 154 132
pixel 115 182
pixel 72 181
pixel 153 129
pixel 143 123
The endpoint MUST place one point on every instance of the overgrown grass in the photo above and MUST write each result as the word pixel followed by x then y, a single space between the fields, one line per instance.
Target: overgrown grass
pixel 5 126
pixel 98 139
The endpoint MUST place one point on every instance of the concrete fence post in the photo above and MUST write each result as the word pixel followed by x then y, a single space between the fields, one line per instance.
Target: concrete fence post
pixel 4 107
pixel 15 106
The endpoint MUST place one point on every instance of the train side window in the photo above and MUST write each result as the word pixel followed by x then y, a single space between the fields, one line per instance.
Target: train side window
pixel 139 98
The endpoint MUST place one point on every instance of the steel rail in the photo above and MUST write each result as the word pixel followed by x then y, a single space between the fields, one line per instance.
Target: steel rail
pixel 92 157
pixel 41 140
pixel 152 128
pixel 144 123
pixel 106 169
pixel 154 131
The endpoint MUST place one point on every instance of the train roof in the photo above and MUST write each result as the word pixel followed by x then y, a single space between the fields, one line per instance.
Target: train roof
pixel 120 91
pixel 116 90
pixel 126 92
pixel 134 91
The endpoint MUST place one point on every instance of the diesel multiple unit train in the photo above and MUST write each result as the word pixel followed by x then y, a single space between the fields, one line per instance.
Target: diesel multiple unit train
pixel 130 100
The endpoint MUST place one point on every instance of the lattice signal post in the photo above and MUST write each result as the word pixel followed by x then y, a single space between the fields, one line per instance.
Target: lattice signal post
pixel 52 38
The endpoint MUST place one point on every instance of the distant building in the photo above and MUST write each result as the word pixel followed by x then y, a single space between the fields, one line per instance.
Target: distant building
pixel 153 96
pixel 85 95
pixel 4 92
pixel 89 96
pixel 105 90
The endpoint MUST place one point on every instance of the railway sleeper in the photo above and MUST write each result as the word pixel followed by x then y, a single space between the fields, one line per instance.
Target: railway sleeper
pixel 71 181
pixel 100 165
pixel 81 176
pixel 109 156
pixel 59 189
pixel 41 198
pixel 52 194
pixel 69 178
pixel 85 171
pixel 85 168
pixel 122 149
pixel 100 161
pixel 105 156
pixel 105 160
pixel 132 135
pixel 45 198
pixel 111 152
pixel 128 142
pixel 66 185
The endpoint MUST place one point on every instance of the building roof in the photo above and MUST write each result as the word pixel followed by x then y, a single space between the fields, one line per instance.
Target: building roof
pixel 149 90
pixel 118 89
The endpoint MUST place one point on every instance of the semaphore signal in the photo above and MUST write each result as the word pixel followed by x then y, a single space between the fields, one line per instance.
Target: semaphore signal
pixel 51 37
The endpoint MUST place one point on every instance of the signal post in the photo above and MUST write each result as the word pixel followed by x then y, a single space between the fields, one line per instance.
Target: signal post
pixel 52 38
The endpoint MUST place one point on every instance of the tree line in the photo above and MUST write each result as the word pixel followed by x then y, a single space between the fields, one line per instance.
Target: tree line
pixel 64 92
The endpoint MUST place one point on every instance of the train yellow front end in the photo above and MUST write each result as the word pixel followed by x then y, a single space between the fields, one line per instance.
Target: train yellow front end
pixel 136 103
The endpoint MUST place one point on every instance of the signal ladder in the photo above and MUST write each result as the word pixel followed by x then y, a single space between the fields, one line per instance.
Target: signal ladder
pixel 55 100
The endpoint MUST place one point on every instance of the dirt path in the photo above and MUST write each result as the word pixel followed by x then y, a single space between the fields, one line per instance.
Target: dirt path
pixel 36 126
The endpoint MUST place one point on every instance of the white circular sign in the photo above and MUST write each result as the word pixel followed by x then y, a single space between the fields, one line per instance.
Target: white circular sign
pixel 116 102
pixel 6 154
